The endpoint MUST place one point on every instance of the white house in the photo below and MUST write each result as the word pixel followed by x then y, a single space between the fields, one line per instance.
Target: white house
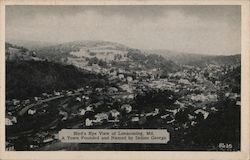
pixel 85 97
pixel 121 76
pixel 57 93
pixel 114 113
pixel 32 146
pixel 48 140
pixel 100 117
pixel 190 117
pixel 193 123
pixel 199 97
pixel 112 90
pixel 89 108
pixel 129 79
pixel 10 120
pixel 78 99
pixel 154 113
pixel 127 108
pixel 238 103
pixel 214 109
pixel 127 88
pixel 135 119
pixel 10 146
pixel 82 112
pixel 31 111
pixel 88 122
pixel 15 101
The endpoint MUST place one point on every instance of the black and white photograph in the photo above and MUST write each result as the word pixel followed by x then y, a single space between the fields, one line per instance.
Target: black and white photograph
pixel 173 71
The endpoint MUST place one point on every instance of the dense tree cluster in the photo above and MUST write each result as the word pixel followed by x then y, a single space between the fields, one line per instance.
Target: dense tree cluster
pixel 31 78
pixel 155 98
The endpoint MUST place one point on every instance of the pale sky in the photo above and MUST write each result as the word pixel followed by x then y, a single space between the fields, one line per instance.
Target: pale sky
pixel 193 29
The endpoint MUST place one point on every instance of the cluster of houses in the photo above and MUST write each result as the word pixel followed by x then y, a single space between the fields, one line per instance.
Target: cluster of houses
pixel 196 90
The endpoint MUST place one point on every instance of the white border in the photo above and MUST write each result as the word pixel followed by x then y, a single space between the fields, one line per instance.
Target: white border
pixel 139 155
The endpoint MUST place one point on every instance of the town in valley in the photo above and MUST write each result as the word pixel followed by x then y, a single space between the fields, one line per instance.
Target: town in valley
pixel 126 90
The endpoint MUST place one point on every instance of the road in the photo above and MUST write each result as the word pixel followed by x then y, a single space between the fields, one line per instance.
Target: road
pixel 25 109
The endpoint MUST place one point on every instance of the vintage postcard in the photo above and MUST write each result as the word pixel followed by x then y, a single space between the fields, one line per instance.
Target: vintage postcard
pixel 124 79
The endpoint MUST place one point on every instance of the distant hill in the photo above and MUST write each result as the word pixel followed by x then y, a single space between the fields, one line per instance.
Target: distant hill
pixel 218 60
pixel 111 51
pixel 15 53
pixel 196 59
pixel 151 61
pixel 31 45
pixel 80 49
pixel 118 55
